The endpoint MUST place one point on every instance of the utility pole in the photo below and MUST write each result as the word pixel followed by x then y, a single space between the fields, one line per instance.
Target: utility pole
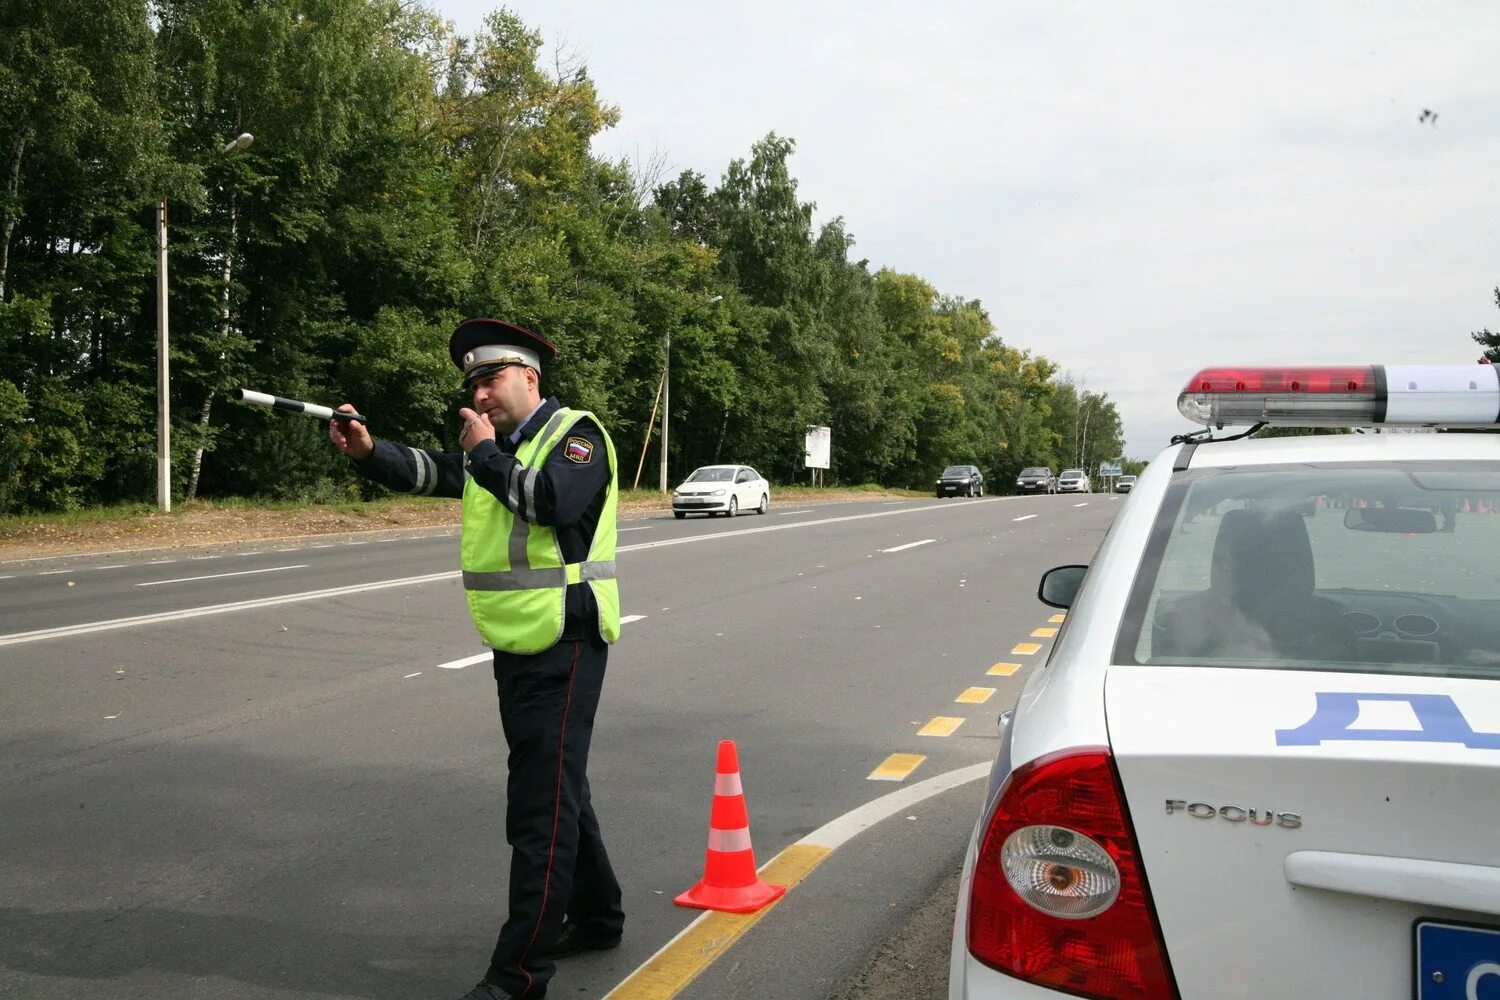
pixel 163 406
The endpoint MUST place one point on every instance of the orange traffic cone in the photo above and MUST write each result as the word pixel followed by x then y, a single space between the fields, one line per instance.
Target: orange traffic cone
pixel 730 882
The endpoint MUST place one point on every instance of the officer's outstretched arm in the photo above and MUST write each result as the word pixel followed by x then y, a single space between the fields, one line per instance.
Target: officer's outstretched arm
pixel 414 470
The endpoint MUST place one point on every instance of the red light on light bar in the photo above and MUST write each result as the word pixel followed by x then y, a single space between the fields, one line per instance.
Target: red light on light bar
pixel 1344 379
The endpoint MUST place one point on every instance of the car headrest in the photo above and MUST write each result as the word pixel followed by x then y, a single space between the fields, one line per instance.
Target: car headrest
pixel 1262 554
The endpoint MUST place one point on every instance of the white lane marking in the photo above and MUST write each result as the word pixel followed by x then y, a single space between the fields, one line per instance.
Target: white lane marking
pixel 257 552
pixel 159 562
pixel 1084 504
pixel 8 576
pixel 467 661
pixel 329 545
pixel 220 576
pixel 365 542
pixel 784 513
pixel 201 558
pixel 839 832
pixel 1023 517
pixel 54 572
pixel 16 638
pixel 887 503
pixel 644 527
pixel 909 545
pixel 117 566
pixel 410 676
pixel 631 618
pixel 835 834
pixel 719 535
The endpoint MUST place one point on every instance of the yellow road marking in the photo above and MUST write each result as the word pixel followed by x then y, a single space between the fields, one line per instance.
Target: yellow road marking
pixel 1058 619
pixel 1025 648
pixel 975 696
pixel 1043 633
pixel 940 725
pixel 682 960
pixel 896 767
pixel 1003 669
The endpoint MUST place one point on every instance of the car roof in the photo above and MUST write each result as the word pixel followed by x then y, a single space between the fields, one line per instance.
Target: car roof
pixel 702 467
pixel 1346 448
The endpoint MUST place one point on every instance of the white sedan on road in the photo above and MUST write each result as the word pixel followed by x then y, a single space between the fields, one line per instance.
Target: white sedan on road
pixel 721 489
pixel 1263 759
pixel 1074 481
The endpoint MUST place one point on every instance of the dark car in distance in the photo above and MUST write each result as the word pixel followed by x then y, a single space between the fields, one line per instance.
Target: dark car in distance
pixel 960 481
pixel 1037 479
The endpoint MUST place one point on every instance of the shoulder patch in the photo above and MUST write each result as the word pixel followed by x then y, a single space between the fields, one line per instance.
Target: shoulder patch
pixel 580 450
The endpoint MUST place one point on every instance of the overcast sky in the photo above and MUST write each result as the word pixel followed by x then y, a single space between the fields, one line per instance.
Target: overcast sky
pixel 1133 190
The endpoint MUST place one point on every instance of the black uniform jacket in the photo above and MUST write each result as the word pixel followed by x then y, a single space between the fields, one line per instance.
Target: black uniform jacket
pixel 569 493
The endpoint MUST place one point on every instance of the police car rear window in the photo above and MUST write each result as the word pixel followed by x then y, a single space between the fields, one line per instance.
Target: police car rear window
pixel 1392 568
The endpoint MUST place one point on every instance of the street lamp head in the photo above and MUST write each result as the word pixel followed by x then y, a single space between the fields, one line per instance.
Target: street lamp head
pixel 716 298
pixel 239 144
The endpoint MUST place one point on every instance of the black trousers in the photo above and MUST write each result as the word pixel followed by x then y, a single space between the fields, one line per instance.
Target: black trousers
pixel 558 865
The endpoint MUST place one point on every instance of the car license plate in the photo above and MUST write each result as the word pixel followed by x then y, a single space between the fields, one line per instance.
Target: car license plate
pixel 1457 962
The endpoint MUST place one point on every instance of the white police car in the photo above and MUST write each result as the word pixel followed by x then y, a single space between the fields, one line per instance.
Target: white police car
pixel 1263 759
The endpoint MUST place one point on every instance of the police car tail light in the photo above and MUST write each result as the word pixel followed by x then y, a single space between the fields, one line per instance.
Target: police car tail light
pixel 1345 396
pixel 1058 896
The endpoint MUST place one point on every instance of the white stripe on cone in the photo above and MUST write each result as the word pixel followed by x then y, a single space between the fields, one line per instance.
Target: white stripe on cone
pixel 728 784
pixel 729 841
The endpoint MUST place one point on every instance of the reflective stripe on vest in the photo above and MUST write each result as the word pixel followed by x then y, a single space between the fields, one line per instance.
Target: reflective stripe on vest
pixel 514 578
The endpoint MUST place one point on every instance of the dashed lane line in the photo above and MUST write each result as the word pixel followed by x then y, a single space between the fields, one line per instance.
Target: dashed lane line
pixel 1058 619
pixel 786 513
pixel 910 545
pixel 941 725
pixel 706 939
pixel 897 767
pixel 1043 633
pixel 1025 648
pixel 467 661
pixel 1003 669
pixel 975 696
pixel 1023 517
pixel 1084 504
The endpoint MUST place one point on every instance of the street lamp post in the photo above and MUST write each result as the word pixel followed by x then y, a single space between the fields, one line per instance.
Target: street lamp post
pixel 163 366
pixel 666 396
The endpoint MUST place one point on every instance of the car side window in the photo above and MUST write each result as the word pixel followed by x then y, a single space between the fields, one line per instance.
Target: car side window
pixel 743 477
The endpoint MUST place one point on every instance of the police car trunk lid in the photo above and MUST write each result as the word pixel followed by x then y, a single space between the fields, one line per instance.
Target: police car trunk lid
pixel 1295 825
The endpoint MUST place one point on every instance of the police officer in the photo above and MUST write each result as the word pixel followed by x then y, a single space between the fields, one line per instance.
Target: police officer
pixel 538 483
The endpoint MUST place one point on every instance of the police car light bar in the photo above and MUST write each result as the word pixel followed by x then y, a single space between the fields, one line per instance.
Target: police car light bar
pixel 1345 396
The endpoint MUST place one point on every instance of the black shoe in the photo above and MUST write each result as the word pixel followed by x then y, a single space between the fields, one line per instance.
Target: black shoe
pixel 486 991
pixel 571 941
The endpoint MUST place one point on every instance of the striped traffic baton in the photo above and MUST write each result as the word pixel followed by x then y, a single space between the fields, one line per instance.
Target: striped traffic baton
pixel 297 406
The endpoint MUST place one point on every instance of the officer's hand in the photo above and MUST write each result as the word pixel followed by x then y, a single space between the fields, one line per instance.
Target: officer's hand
pixel 350 436
pixel 476 428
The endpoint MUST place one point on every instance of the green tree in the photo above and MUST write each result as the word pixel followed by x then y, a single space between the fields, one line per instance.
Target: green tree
pixel 1487 340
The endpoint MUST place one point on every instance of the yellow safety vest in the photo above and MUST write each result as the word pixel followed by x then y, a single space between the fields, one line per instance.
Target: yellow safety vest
pixel 514 575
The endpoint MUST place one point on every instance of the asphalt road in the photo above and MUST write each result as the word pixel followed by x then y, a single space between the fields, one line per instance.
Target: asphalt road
pixel 277 771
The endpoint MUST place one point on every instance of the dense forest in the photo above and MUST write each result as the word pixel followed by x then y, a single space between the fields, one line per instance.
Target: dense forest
pixel 402 176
